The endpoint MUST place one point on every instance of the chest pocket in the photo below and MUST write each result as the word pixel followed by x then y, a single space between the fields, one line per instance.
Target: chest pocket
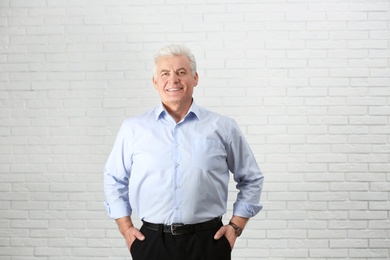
pixel 208 154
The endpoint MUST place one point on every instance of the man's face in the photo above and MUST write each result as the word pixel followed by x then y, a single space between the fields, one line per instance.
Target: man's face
pixel 174 80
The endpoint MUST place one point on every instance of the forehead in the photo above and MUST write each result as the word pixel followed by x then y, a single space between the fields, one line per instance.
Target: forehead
pixel 173 62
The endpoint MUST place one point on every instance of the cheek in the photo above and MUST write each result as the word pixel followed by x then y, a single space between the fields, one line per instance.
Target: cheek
pixel 159 84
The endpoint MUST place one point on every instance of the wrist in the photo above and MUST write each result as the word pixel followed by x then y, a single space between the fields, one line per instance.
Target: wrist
pixel 238 224
pixel 124 224
pixel 237 229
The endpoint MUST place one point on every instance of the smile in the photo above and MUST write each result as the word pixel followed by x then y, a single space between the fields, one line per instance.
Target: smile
pixel 174 89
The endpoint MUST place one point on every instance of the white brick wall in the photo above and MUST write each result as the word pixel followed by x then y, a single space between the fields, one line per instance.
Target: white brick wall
pixel 307 80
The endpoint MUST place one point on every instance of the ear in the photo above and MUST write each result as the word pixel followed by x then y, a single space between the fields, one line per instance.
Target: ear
pixel 196 78
pixel 154 82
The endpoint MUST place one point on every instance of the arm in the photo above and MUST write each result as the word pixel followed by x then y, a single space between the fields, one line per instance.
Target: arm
pixel 117 172
pixel 249 179
pixel 246 173
pixel 116 180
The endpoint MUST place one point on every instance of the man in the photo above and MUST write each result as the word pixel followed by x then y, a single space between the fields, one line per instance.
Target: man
pixel 170 166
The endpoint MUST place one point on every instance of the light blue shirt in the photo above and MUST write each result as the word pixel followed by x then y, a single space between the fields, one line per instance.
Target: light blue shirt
pixel 168 172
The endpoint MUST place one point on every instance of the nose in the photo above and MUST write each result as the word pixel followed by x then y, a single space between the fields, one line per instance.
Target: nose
pixel 173 78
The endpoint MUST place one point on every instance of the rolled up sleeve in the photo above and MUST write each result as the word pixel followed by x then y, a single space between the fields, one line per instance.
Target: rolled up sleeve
pixel 247 175
pixel 116 177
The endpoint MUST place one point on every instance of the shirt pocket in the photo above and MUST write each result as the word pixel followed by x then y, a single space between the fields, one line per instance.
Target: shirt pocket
pixel 208 154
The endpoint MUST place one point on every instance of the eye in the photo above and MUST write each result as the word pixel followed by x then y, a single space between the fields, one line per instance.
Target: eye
pixel 181 72
pixel 164 74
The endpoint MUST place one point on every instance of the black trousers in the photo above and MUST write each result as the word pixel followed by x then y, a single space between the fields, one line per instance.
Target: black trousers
pixel 195 246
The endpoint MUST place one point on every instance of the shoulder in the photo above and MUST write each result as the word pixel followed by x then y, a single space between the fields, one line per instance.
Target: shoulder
pixel 209 115
pixel 146 116
pixel 215 122
pixel 140 120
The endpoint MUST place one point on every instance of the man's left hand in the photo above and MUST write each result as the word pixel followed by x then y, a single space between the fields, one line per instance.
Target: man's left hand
pixel 229 232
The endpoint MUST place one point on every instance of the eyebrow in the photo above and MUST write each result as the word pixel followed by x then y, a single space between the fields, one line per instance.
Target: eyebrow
pixel 167 70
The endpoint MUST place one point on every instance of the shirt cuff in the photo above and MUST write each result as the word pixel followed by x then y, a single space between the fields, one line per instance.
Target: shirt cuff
pixel 117 209
pixel 246 210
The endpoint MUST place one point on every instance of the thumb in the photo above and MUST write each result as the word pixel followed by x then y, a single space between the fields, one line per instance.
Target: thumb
pixel 139 235
pixel 220 233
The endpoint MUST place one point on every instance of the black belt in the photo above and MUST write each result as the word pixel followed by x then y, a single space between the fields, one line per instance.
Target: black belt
pixel 181 229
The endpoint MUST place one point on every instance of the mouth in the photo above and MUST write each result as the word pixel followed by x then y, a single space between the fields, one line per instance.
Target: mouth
pixel 173 89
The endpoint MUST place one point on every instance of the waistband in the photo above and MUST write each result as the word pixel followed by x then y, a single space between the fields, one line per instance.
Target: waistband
pixel 177 229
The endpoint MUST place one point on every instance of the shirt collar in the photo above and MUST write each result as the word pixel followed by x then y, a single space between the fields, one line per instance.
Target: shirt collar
pixel 160 111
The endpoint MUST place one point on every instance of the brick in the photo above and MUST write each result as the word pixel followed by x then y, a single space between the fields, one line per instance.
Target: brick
pixel 379 243
pixel 357 234
pixel 52 251
pixel 298 253
pixel 364 215
pixel 23 252
pixel 308 243
pixel 371 253
pixel 29 224
pixel 364 177
pixel 332 253
pixel 346 16
pixel 366 25
pixel 326 215
pixel 379 167
pixel 24 3
pixel 307 224
pixel 379 205
pixel 283 26
pixel 328 25
pixel 306 16
pixel 330 234
pixel 286 234
pixel 370 6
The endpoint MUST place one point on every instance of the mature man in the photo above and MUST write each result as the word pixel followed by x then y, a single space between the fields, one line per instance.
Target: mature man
pixel 170 166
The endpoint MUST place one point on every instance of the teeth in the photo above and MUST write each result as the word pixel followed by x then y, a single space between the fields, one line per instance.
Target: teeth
pixel 173 89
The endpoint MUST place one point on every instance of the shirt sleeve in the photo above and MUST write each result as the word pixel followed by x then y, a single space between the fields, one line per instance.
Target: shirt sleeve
pixel 116 176
pixel 247 174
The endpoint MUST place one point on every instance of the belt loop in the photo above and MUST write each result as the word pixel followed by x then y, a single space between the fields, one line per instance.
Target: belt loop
pixel 160 230
pixel 198 228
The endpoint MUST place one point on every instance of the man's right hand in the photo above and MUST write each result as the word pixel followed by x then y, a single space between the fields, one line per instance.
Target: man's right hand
pixel 128 231
pixel 131 234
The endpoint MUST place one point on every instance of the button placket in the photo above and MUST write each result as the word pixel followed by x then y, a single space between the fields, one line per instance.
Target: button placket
pixel 176 162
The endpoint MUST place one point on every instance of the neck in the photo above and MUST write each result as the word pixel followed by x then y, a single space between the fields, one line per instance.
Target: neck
pixel 178 110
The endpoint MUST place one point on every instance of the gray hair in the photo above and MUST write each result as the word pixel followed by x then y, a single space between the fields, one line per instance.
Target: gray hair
pixel 175 50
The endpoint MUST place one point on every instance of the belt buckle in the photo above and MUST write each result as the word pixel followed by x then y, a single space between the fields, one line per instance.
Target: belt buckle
pixel 174 229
